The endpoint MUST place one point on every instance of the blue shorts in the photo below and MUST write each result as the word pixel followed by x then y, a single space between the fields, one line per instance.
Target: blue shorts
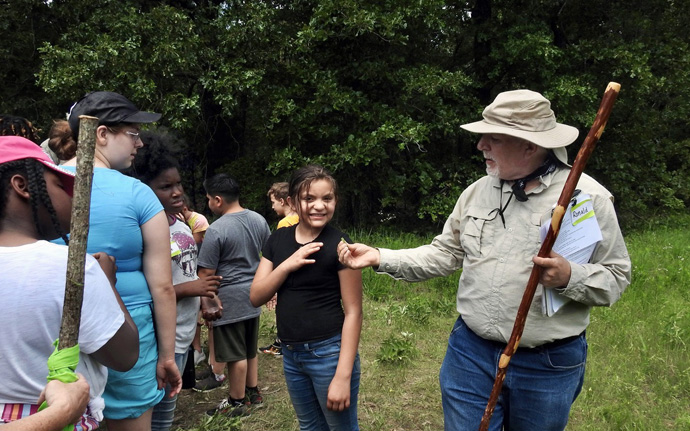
pixel 131 393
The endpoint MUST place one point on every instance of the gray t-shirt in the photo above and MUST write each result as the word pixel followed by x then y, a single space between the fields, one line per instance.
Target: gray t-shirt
pixel 232 246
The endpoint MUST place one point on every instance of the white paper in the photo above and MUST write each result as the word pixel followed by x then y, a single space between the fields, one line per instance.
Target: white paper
pixel 578 236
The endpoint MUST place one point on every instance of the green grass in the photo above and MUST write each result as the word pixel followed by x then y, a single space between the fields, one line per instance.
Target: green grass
pixel 638 370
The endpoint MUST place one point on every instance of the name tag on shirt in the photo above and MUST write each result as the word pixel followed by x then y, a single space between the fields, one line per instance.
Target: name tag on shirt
pixel 582 210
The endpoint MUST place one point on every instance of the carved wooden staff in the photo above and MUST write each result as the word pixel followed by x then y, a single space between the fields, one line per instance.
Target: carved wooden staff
pixel 79 232
pixel 586 150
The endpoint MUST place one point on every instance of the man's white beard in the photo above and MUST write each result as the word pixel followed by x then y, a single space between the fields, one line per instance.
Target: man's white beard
pixel 492 172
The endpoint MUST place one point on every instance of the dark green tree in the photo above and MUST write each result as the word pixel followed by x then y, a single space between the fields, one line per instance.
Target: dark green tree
pixel 374 90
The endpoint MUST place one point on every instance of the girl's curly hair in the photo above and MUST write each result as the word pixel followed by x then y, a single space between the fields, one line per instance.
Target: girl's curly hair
pixel 160 152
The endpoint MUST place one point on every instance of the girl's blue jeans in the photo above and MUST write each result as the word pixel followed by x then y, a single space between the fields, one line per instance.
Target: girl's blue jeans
pixel 164 411
pixel 309 369
pixel 540 385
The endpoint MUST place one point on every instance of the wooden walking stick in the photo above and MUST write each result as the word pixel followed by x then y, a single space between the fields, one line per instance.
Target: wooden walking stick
pixel 586 150
pixel 79 232
pixel 64 360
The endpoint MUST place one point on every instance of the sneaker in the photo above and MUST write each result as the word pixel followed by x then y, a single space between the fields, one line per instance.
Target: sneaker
pixel 272 350
pixel 204 373
pixel 199 357
pixel 253 398
pixel 208 384
pixel 230 409
pixel 266 349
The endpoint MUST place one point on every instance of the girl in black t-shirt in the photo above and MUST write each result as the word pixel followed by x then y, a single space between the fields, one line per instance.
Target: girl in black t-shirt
pixel 319 310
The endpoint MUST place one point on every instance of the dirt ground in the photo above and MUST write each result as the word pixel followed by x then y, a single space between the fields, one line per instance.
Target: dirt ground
pixel 192 405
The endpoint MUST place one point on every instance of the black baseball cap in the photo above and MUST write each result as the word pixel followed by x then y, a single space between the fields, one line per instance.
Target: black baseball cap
pixel 110 109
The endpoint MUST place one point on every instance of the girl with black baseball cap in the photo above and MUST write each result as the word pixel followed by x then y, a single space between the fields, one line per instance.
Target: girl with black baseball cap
pixel 127 221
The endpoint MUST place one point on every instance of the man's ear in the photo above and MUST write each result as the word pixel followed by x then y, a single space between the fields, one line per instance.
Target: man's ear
pixel 20 186
pixel 530 148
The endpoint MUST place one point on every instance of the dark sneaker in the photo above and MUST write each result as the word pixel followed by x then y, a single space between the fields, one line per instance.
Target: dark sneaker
pixel 204 373
pixel 208 384
pixel 230 409
pixel 253 398
pixel 266 349
pixel 273 349
pixel 278 350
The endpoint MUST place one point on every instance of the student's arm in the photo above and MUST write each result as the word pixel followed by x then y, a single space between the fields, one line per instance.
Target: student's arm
pixel 261 287
pixel 211 306
pixel 203 286
pixel 66 403
pixel 268 280
pixel 351 292
pixel 199 236
pixel 122 350
pixel 158 273
pixel 199 228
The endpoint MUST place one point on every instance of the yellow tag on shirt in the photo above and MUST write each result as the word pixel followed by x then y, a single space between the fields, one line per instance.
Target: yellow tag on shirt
pixel 581 209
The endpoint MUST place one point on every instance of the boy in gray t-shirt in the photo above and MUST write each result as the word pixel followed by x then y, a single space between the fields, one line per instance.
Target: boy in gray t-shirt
pixel 232 249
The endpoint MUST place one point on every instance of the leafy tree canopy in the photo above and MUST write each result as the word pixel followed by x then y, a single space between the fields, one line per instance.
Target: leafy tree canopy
pixel 373 90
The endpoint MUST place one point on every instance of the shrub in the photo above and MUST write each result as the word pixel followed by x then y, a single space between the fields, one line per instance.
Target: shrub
pixel 397 349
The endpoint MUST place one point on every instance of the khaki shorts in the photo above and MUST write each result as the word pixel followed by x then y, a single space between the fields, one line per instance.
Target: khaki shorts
pixel 236 341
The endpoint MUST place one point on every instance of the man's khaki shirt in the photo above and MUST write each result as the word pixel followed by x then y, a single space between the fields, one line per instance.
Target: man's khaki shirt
pixel 497 260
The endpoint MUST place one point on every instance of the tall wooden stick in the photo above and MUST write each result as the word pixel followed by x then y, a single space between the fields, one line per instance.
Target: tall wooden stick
pixel 79 232
pixel 586 150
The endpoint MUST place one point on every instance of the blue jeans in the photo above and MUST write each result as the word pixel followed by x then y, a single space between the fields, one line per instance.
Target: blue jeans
pixel 540 385
pixel 309 369
pixel 164 411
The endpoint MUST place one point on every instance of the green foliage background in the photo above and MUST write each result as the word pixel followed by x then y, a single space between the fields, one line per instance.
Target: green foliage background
pixel 374 90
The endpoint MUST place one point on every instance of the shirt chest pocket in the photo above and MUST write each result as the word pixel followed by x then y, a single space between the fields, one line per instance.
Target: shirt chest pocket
pixel 533 238
pixel 477 238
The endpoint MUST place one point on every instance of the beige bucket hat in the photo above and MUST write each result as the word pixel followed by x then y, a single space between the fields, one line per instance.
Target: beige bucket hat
pixel 526 114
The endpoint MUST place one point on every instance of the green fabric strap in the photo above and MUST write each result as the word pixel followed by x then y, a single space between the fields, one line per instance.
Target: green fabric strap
pixel 62 363
pixel 61 366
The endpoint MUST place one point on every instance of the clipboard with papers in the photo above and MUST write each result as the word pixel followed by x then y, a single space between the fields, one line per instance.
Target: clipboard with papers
pixel 576 241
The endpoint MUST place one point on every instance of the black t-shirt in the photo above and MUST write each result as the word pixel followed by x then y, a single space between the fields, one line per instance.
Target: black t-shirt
pixel 309 303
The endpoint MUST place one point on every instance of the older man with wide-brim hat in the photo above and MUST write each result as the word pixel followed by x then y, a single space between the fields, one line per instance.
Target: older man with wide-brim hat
pixel 493 234
pixel 527 115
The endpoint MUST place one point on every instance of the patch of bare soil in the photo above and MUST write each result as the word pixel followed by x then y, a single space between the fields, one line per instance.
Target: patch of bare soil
pixel 192 405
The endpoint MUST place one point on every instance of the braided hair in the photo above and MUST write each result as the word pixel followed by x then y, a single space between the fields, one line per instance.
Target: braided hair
pixel 33 171
pixel 11 125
